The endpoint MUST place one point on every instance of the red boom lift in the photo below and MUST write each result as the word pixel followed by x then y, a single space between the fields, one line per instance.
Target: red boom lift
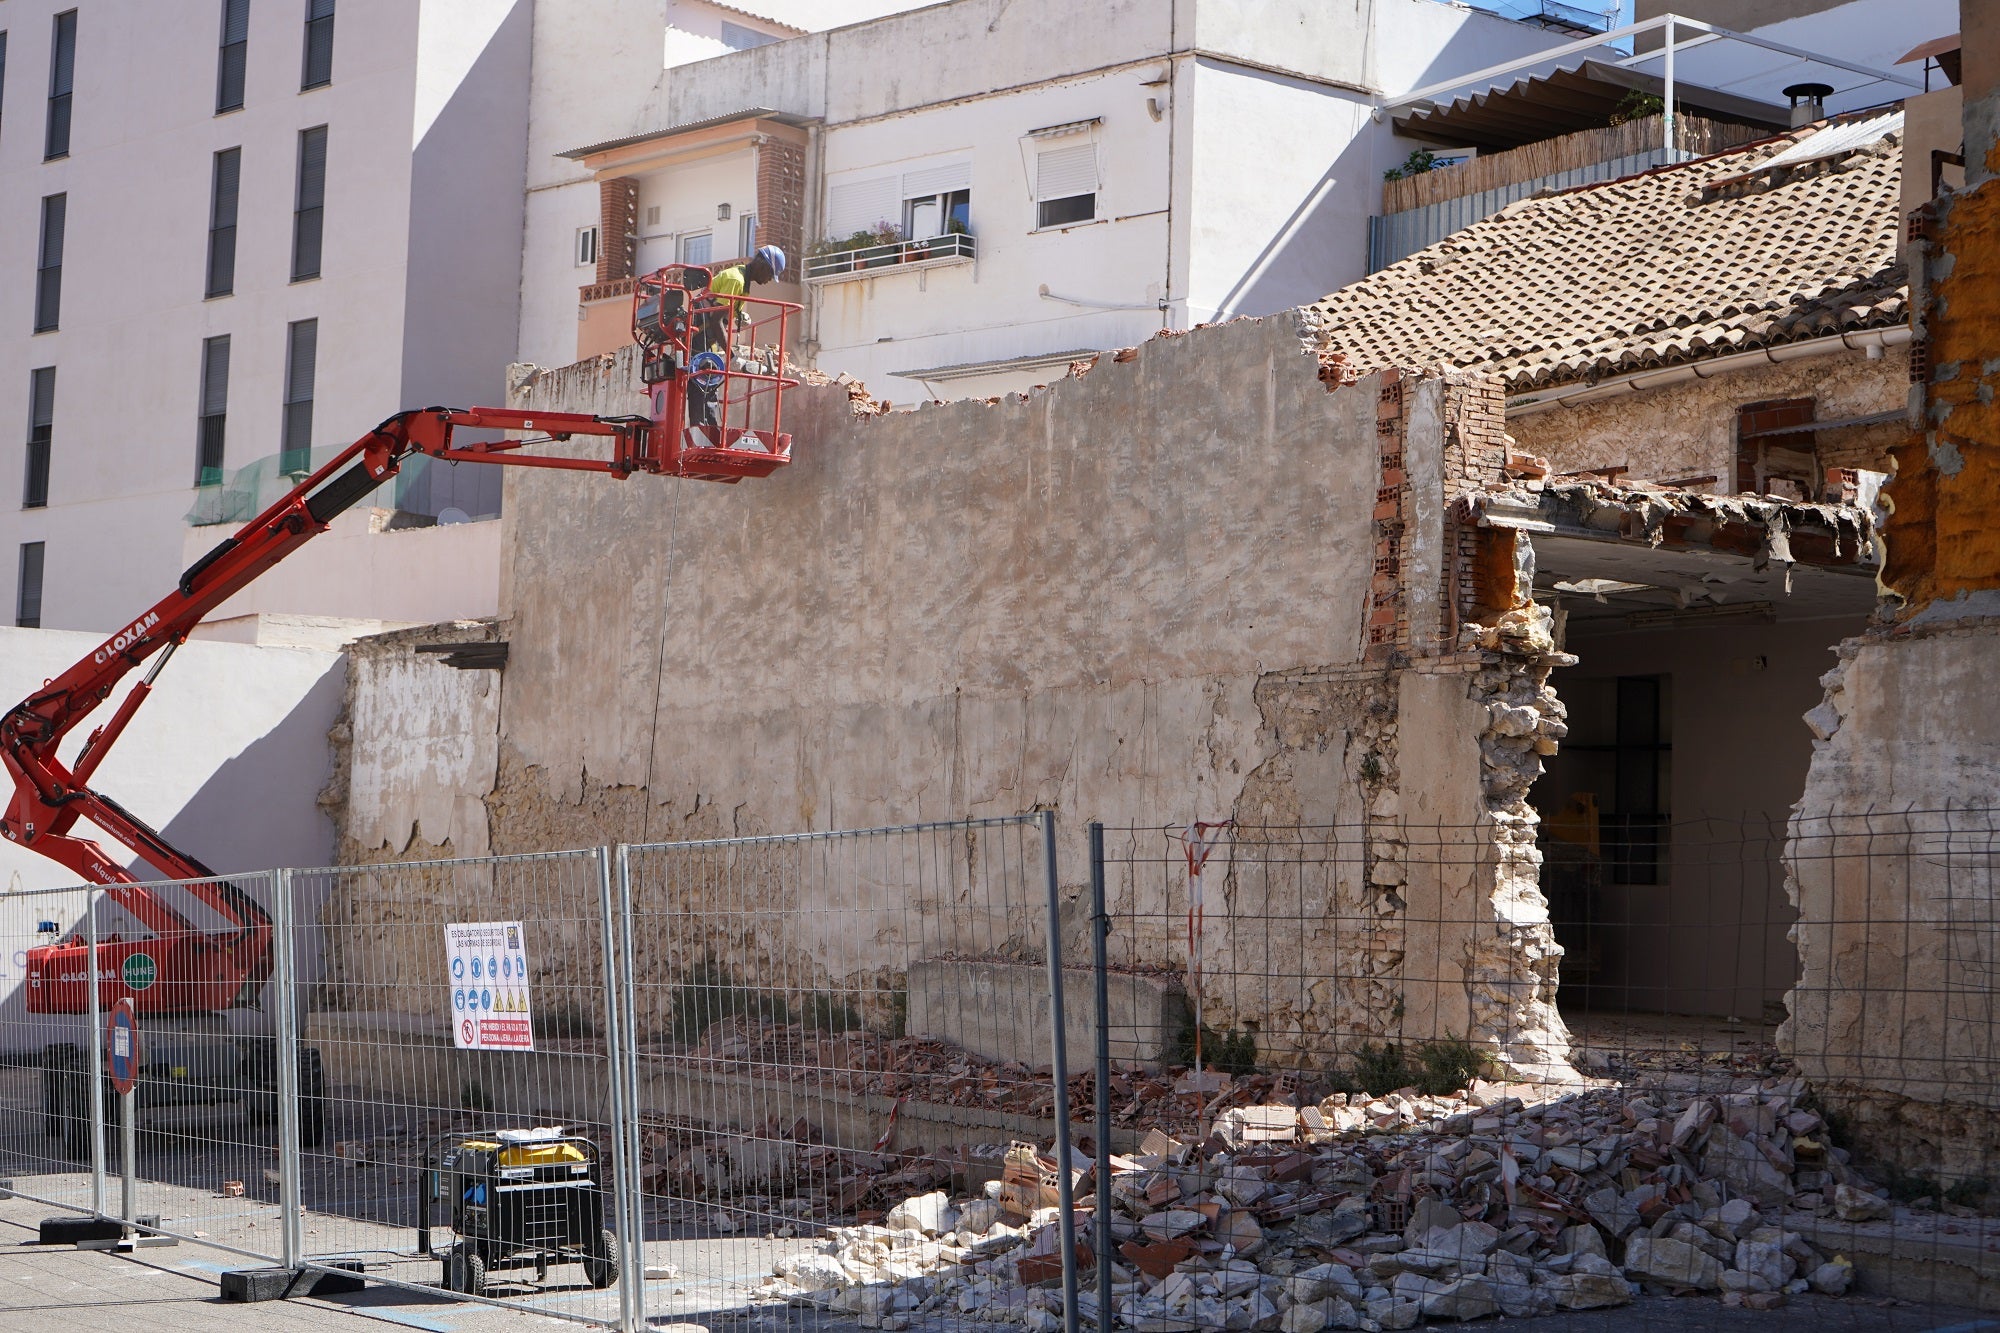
pixel 714 367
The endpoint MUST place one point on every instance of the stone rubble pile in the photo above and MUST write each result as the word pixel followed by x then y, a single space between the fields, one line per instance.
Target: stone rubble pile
pixel 1375 1213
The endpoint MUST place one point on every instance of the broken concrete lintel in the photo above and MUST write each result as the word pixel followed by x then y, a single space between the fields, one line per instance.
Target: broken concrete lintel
pixel 1759 527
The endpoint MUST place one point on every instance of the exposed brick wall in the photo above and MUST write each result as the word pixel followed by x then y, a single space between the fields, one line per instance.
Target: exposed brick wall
pixel 617 228
pixel 1475 450
pixel 781 196
pixel 1388 626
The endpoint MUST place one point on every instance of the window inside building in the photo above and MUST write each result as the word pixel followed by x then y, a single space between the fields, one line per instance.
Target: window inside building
pixel 696 247
pixel 28 587
pixel 586 245
pixel 214 411
pixel 62 79
pixel 223 191
pixel 48 270
pixel 746 234
pixel 232 60
pixel 937 200
pixel 1066 185
pixel 319 45
pixel 309 212
pixel 1776 449
pixel 301 358
pixel 41 433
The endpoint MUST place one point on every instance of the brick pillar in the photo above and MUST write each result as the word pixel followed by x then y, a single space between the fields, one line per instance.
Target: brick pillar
pixel 1387 631
pixel 617 228
pixel 781 196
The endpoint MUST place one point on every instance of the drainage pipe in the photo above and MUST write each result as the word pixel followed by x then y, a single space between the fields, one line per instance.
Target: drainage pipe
pixel 1871 341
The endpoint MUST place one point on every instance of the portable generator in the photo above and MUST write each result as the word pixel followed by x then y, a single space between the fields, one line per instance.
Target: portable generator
pixel 518 1197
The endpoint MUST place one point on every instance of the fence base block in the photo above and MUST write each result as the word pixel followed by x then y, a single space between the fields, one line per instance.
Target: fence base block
pixel 277 1284
pixel 77 1230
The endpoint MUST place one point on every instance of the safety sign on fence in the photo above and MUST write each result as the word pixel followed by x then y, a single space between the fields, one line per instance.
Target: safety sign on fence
pixel 488 962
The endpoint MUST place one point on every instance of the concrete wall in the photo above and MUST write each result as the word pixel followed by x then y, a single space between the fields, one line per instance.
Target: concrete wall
pixel 1689 430
pixel 357 570
pixel 1137 596
pixel 1892 873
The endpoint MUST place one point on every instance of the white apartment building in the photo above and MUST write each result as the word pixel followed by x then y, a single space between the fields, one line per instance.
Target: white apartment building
pixel 1050 179
pixel 245 231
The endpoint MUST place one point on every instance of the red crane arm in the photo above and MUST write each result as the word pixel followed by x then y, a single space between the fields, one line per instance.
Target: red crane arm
pixel 49 796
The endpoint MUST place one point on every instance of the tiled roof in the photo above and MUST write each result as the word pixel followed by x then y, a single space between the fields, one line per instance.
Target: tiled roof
pixel 1652 270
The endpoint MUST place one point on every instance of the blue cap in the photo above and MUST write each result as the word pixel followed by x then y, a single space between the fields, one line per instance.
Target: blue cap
pixel 773 256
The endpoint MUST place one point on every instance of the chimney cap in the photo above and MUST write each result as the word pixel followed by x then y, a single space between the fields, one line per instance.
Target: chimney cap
pixel 1800 92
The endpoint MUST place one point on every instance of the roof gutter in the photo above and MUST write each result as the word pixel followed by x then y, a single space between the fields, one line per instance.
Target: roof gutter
pixel 1871 341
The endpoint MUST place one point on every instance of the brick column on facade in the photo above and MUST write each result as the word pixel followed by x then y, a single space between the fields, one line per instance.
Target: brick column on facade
pixel 781 195
pixel 617 228
pixel 1387 626
pixel 1475 457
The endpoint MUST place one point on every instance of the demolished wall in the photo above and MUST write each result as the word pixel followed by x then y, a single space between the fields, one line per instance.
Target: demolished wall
pixel 1891 853
pixel 1148 594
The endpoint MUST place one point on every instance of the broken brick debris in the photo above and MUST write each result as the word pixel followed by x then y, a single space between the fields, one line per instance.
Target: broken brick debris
pixel 1381 1212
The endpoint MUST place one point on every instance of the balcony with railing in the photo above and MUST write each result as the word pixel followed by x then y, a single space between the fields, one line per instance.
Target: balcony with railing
pixel 875 261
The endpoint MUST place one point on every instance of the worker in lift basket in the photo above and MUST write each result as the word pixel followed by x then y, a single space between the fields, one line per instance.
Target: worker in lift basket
pixel 719 326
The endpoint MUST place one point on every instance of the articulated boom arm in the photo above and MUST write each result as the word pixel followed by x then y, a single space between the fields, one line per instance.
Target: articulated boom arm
pixel 204 972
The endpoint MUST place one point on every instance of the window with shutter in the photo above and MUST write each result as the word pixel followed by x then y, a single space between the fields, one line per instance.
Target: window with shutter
pixel 48 273
pixel 62 79
pixel 223 195
pixel 232 59
pixel 41 430
pixel 308 215
pixel 937 200
pixel 301 356
pixel 28 591
pixel 318 70
pixel 214 411
pixel 1066 185
pixel 862 205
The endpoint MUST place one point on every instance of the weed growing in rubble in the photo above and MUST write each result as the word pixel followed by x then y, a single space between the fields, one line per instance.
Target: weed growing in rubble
pixel 825 1013
pixel 1231 1052
pixel 1439 1067
pixel 710 994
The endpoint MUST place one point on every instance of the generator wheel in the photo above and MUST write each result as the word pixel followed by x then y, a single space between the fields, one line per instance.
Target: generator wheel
pixel 465 1270
pixel 602 1266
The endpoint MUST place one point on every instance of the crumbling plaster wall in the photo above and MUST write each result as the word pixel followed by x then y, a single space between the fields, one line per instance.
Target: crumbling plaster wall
pixel 415 788
pixel 1891 857
pixel 1137 596
pixel 1689 429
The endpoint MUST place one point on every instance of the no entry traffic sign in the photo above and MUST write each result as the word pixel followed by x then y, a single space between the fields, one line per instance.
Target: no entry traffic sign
pixel 121 1046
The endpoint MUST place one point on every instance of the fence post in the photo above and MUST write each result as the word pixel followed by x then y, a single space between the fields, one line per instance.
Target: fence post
pixel 285 1015
pixel 624 1170
pixel 94 1088
pixel 1066 1223
pixel 1100 921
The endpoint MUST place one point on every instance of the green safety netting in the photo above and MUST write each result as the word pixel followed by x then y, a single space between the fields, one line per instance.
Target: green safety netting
pixel 239 496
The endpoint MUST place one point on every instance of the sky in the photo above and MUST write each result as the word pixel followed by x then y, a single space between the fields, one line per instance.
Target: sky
pixel 1527 8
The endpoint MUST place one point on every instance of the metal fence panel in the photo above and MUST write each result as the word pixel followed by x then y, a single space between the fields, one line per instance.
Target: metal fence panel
pixel 842 1048
pixel 47 1145
pixel 1770 1059
pixel 190 1151
pixel 459 1015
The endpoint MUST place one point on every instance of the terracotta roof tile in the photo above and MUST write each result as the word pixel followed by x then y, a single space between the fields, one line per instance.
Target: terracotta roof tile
pixel 1647 271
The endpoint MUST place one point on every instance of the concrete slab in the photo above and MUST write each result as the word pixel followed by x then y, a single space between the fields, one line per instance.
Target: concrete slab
pixel 1001 1011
